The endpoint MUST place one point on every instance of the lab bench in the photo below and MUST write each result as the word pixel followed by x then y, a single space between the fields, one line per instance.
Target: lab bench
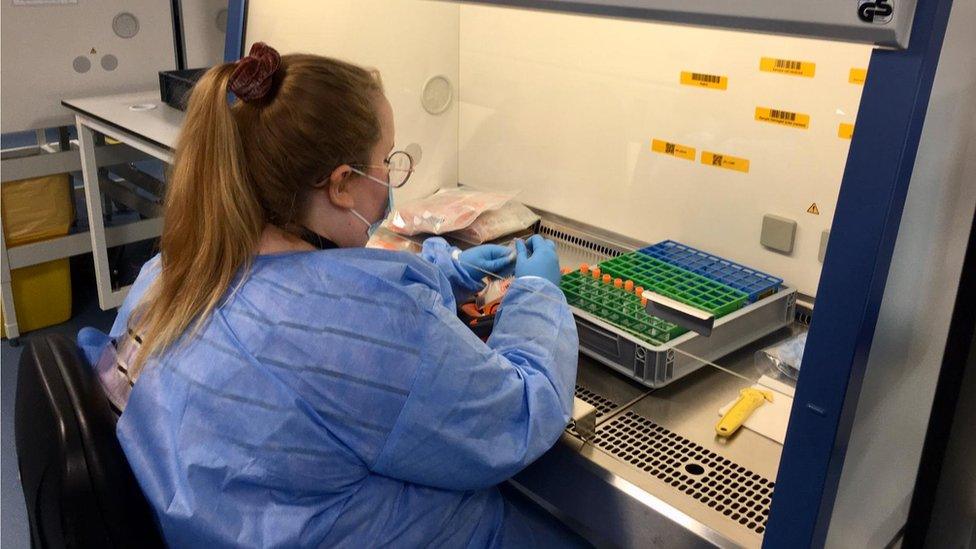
pixel 141 122
pixel 47 159
pixel 656 465
pixel 654 461
pixel 114 132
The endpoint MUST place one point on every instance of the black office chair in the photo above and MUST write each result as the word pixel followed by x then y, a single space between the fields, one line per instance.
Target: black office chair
pixel 79 488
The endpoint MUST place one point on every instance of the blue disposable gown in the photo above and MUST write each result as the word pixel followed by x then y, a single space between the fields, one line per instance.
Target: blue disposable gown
pixel 334 399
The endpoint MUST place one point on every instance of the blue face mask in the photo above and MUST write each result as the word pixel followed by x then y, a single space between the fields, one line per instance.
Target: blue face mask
pixel 371 228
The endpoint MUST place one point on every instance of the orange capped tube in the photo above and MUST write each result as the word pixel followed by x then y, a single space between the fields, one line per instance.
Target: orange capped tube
pixel 629 286
pixel 643 302
pixel 639 291
pixel 606 279
pixel 596 272
pixel 618 283
pixel 584 269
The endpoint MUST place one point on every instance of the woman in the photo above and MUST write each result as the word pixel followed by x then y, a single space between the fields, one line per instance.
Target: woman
pixel 290 388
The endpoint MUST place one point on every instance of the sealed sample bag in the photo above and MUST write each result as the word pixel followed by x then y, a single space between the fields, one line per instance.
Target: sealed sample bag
pixel 445 211
pixel 512 217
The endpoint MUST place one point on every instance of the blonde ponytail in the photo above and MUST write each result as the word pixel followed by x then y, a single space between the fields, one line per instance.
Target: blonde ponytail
pixel 240 166
pixel 212 220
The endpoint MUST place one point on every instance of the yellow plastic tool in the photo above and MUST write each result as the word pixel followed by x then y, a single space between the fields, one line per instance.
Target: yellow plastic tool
pixel 749 400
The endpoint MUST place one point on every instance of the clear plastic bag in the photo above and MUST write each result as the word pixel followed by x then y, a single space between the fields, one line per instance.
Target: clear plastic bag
pixel 445 211
pixel 385 239
pixel 782 361
pixel 511 217
pixel 489 299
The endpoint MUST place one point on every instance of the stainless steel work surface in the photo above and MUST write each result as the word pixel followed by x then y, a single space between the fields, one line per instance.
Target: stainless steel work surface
pixel 605 389
pixel 690 407
pixel 665 444
pixel 656 461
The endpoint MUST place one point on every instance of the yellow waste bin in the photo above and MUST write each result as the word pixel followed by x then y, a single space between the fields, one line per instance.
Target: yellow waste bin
pixel 34 210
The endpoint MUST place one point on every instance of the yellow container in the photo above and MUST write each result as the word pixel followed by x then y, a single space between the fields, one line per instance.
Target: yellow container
pixel 42 295
pixel 33 210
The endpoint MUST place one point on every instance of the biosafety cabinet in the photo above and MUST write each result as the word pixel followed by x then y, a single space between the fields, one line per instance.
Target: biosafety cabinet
pixel 822 150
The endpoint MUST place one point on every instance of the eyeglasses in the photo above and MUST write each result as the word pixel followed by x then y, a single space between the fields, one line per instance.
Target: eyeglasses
pixel 399 165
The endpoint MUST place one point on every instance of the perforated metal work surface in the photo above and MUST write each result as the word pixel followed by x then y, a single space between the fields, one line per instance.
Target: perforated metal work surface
pixel 726 488
pixel 713 480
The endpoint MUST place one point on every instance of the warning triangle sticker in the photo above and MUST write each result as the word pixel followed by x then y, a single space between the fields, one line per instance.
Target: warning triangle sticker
pixel 93 52
pixel 813 209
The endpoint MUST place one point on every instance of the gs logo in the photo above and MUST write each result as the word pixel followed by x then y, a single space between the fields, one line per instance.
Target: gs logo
pixel 874 11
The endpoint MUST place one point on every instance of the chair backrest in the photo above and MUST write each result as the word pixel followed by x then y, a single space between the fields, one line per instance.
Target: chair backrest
pixel 79 489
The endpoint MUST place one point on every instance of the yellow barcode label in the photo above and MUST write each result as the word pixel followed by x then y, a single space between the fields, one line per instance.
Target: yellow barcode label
pixel 725 161
pixel 788 66
pixel 845 131
pixel 858 76
pixel 673 149
pixel 703 80
pixel 783 118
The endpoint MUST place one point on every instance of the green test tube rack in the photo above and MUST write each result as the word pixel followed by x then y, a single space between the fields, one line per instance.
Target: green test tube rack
pixel 620 308
pixel 624 310
pixel 676 283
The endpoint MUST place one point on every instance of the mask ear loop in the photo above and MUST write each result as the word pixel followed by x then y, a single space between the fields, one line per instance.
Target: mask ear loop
pixel 371 178
pixel 371 228
pixel 360 216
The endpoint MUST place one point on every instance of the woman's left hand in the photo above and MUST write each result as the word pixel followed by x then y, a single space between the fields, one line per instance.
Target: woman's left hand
pixel 487 258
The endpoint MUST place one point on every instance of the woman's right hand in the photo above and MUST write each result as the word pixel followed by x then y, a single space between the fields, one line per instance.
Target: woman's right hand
pixel 537 258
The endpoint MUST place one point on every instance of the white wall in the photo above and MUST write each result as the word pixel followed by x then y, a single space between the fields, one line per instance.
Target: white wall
pixel 40 43
pixel 203 33
pixel 893 410
pixel 409 41
pixel 565 107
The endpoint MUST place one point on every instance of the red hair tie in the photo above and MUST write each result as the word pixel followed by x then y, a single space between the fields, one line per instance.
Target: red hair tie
pixel 254 75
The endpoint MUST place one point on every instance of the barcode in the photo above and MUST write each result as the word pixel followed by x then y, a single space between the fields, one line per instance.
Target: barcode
pixel 716 160
pixel 710 78
pixel 787 64
pixel 783 115
pixel 669 148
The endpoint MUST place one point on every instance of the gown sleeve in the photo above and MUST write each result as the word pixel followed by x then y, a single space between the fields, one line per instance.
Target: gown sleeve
pixel 476 413
pixel 437 251
pixel 92 341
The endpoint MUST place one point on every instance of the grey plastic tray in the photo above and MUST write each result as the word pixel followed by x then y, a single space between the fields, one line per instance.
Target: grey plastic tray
pixel 656 366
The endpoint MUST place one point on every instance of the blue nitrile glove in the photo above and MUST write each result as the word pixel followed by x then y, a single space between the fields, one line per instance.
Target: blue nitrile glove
pixel 543 261
pixel 487 258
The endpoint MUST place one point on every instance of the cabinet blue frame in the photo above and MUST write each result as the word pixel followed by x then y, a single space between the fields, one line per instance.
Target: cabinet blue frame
pixel 236 30
pixel 869 207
